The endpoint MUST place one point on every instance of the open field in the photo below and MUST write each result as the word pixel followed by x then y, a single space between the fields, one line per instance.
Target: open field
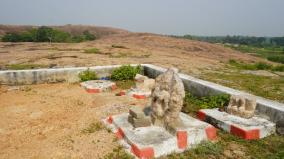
pixel 57 121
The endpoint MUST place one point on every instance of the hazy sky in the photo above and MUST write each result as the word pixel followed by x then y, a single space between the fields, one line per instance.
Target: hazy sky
pixel 196 17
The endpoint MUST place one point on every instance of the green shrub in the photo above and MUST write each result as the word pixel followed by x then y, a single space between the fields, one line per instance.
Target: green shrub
pixel 88 75
pixel 279 68
pixel 92 51
pixel 93 127
pixel 276 58
pixel 193 103
pixel 125 72
pixel 262 66
pixel 118 46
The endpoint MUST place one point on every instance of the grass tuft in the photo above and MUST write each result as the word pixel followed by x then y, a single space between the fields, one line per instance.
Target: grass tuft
pixel 93 127
pixel 92 51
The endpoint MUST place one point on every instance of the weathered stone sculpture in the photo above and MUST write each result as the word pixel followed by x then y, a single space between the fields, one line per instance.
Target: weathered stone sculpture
pixel 143 83
pixel 241 106
pixel 167 99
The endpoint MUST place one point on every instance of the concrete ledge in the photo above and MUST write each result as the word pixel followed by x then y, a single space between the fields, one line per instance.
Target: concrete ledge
pixel 154 141
pixel 37 76
pixel 249 129
pixel 271 109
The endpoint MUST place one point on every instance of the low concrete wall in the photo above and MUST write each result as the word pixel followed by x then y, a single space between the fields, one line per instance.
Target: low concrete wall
pixel 37 76
pixel 272 109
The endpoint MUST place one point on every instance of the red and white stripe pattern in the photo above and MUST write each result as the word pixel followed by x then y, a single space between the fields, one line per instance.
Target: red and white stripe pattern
pixel 182 140
pixel 249 129
pixel 135 94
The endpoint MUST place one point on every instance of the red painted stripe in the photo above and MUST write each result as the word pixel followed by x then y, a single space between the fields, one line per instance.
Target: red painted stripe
pixel 182 139
pixel 93 90
pixel 119 134
pixel 144 153
pixel 211 132
pixel 110 120
pixel 139 96
pixel 122 93
pixel 245 134
pixel 201 115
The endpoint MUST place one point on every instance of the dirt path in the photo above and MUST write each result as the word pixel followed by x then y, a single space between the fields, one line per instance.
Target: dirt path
pixel 47 121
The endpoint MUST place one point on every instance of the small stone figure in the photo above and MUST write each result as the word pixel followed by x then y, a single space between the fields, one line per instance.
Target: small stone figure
pixel 167 99
pixel 241 106
pixel 143 83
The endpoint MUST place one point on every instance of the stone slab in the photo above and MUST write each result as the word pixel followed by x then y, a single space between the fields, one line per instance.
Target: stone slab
pixel 153 141
pixel 138 94
pixel 98 86
pixel 249 129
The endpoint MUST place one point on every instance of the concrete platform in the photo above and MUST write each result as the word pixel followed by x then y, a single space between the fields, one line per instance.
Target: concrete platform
pixel 249 129
pixel 135 93
pixel 98 86
pixel 153 141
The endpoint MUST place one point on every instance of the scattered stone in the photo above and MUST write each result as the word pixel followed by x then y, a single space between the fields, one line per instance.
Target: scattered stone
pixel 260 73
pixel 280 127
pixel 36 115
pixel 97 86
pixel 13 88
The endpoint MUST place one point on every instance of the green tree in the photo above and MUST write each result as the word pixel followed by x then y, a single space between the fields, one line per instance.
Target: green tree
pixel 88 35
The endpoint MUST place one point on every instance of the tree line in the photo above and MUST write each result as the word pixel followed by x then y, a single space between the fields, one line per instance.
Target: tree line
pixel 47 34
pixel 241 40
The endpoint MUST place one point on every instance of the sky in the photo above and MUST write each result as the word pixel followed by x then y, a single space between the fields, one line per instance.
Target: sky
pixel 171 17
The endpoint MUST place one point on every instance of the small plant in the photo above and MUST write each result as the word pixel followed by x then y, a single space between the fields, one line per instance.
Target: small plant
pixel 263 66
pixel 92 51
pixel 126 84
pixel 276 58
pixel 125 72
pixel 88 75
pixel 119 46
pixel 118 153
pixel 279 68
pixel 193 104
pixel 93 127
pixel 256 66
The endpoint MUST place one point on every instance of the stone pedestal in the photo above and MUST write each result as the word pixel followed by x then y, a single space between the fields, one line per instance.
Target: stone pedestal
pixel 138 118
pixel 154 141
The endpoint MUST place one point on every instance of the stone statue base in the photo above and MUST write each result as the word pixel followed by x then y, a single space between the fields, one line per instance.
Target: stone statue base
pixel 145 141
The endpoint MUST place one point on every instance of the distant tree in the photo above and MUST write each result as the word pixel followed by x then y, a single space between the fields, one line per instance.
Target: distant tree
pixel 11 37
pixel 44 34
pixel 88 35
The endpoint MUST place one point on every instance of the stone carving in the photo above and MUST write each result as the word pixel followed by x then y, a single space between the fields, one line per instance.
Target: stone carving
pixel 167 99
pixel 143 83
pixel 241 106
